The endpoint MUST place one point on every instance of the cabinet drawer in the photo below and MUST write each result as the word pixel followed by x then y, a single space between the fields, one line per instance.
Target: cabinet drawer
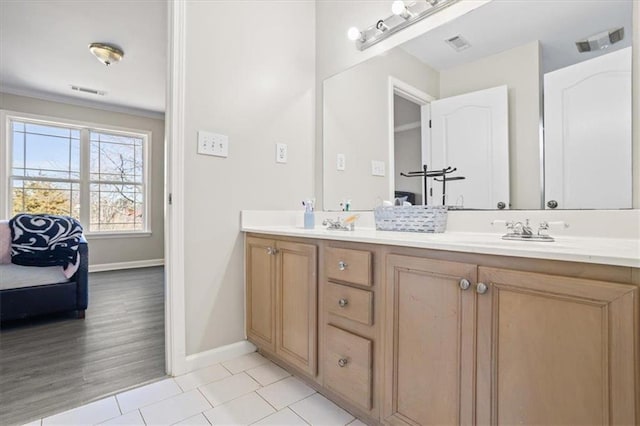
pixel 347 366
pixel 353 266
pixel 349 302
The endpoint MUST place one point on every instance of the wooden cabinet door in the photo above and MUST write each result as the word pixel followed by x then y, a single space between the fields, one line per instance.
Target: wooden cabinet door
pixel 555 350
pixel 261 292
pixel 429 342
pixel 296 305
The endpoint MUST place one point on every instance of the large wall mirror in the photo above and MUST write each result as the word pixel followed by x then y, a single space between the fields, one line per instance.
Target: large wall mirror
pixel 519 104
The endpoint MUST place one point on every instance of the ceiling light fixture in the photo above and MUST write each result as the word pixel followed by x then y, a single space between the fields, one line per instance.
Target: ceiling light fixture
pixel 106 53
pixel 402 17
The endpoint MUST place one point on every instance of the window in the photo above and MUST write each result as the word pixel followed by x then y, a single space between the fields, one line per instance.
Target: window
pixel 95 175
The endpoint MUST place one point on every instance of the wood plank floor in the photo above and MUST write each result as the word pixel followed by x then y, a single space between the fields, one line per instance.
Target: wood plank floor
pixel 56 363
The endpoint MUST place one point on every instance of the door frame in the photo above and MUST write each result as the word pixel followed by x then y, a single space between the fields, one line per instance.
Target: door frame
pixel 412 94
pixel 175 323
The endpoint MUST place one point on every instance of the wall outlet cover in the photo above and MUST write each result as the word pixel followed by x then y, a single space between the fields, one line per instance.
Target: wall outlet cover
pixel 281 153
pixel 377 168
pixel 341 162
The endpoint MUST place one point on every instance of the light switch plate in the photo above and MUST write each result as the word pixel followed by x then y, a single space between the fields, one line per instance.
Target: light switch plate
pixel 281 153
pixel 213 144
pixel 377 168
pixel 341 162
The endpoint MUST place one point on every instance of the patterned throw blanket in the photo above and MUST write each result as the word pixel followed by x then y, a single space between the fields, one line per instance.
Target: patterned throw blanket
pixel 44 240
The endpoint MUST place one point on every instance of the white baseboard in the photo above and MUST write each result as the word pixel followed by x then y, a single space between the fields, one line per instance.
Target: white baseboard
pixel 126 265
pixel 217 355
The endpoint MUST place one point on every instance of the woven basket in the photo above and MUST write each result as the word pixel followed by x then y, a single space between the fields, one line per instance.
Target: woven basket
pixel 411 218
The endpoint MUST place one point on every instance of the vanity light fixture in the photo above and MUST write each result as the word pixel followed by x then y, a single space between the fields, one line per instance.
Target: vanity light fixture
pixel 354 34
pixel 106 53
pixel 381 26
pixel 403 16
pixel 398 8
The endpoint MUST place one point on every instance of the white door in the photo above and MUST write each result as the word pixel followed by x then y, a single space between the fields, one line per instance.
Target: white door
pixel 471 133
pixel 587 120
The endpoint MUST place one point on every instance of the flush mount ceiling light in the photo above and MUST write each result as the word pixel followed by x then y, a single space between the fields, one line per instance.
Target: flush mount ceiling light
pixel 600 41
pixel 403 16
pixel 106 53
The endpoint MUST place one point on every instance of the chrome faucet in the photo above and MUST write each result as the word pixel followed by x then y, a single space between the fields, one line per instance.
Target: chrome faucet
pixel 519 228
pixel 523 232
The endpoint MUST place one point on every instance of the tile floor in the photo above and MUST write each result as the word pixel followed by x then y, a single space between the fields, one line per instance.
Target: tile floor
pixel 243 391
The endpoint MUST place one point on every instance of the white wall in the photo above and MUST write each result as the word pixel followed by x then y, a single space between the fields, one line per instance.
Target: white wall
pixel 519 69
pixel 356 123
pixel 112 250
pixel 250 74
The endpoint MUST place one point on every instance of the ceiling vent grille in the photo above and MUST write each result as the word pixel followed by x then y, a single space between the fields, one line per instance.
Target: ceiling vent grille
pixel 87 90
pixel 458 43
pixel 600 41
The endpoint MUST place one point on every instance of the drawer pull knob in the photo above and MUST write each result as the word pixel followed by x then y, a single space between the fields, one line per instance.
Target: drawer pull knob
pixel 342 265
pixel 481 288
pixel 343 302
pixel 272 251
pixel 342 362
pixel 465 284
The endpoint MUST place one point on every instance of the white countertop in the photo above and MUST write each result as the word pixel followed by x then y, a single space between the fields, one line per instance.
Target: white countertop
pixel 607 251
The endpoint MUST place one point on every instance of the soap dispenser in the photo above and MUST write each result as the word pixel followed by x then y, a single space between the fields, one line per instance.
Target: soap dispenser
pixel 309 215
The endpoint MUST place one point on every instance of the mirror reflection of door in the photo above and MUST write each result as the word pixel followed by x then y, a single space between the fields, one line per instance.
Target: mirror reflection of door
pixel 471 133
pixel 587 116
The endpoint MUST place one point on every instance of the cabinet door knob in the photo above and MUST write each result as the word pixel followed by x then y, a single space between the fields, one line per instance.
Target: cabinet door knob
pixel 343 302
pixel 481 288
pixel 464 284
pixel 342 265
pixel 342 362
pixel 272 251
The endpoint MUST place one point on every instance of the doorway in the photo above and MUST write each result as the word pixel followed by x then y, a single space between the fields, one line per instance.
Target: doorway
pixel 409 141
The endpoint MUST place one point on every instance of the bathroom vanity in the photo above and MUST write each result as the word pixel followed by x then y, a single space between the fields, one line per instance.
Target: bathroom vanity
pixel 403 328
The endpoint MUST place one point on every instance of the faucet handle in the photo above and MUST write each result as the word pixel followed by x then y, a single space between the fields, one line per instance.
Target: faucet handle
pixel 544 226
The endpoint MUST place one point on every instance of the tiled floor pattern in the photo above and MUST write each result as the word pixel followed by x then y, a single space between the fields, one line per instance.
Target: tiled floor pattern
pixel 243 391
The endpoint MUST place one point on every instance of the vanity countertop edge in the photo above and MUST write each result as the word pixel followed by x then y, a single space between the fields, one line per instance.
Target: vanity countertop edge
pixel 605 251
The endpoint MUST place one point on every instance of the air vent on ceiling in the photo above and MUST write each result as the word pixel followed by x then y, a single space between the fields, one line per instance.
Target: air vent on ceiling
pixel 600 41
pixel 458 43
pixel 87 90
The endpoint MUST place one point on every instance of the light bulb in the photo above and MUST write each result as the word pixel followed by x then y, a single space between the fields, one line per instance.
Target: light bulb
pixel 398 7
pixel 354 34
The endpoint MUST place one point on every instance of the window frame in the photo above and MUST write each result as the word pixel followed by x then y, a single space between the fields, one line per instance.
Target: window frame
pixel 85 128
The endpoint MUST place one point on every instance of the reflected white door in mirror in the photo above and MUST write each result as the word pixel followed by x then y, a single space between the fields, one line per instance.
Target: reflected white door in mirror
pixel 587 115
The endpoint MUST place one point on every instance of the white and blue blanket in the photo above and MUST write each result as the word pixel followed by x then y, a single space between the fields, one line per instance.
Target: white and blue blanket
pixel 44 240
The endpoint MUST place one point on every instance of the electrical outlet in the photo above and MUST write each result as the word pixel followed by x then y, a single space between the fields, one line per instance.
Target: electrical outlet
pixel 213 144
pixel 377 168
pixel 281 153
pixel 341 162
